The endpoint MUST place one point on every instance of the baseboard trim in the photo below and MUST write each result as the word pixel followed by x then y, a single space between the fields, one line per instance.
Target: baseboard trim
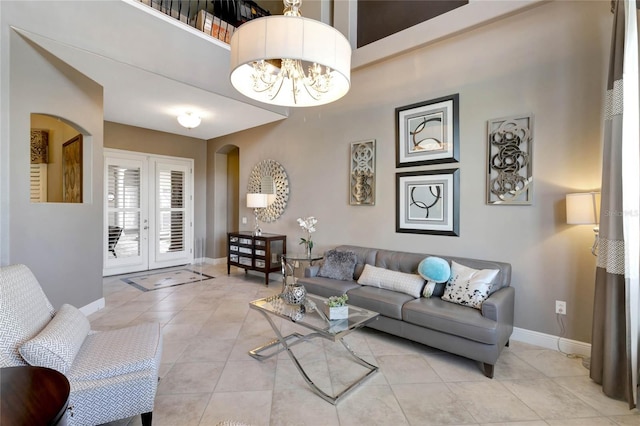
pixel 92 307
pixel 210 261
pixel 550 341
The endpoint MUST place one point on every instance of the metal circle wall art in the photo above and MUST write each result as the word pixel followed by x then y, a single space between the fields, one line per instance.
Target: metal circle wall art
pixel 510 177
pixel 363 173
pixel 270 173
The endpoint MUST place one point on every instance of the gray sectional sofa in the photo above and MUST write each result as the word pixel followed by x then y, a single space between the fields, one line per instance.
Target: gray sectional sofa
pixel 472 333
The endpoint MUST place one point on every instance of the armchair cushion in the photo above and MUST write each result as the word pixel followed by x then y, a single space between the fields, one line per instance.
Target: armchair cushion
pixel 111 353
pixel 58 343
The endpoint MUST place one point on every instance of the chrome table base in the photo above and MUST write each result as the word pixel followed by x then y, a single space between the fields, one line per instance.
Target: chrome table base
pixel 287 342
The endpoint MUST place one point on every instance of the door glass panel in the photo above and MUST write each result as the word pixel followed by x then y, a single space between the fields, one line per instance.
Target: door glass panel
pixel 123 207
pixel 171 200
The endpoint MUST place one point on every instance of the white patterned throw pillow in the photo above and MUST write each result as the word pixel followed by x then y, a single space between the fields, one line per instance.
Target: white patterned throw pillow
pixel 402 282
pixel 58 343
pixel 468 286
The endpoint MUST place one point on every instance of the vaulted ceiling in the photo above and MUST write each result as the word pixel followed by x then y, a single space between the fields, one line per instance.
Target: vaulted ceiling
pixel 153 67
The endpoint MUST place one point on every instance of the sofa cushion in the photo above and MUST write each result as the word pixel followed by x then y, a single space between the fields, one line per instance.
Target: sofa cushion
pixel 58 343
pixel 402 282
pixel 338 265
pixel 386 302
pixel 364 255
pixel 449 318
pixel 327 287
pixel 468 286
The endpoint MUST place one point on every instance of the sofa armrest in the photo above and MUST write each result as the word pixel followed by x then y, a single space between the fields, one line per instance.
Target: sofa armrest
pixel 311 271
pixel 499 306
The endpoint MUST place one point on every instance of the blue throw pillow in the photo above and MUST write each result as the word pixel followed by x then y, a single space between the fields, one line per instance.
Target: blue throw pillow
pixel 436 271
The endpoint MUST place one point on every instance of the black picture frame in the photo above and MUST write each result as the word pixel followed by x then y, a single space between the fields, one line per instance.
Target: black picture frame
pixel 437 121
pixel 428 202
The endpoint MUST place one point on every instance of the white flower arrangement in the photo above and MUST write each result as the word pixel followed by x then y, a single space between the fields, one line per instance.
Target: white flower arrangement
pixel 309 226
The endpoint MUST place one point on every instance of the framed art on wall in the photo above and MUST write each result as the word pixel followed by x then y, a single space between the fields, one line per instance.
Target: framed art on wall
pixel 428 132
pixel 428 202
pixel 72 170
pixel 362 187
pixel 510 160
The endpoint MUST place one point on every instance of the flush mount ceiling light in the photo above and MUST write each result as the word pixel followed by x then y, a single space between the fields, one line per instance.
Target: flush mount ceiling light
pixel 269 56
pixel 189 120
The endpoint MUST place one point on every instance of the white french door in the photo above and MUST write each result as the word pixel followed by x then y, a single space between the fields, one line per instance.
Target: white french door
pixel 148 212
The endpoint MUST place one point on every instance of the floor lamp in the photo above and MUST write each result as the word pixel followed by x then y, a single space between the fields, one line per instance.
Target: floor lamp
pixel 255 202
pixel 584 209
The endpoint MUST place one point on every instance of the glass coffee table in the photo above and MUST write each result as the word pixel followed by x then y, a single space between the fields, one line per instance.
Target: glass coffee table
pixel 311 316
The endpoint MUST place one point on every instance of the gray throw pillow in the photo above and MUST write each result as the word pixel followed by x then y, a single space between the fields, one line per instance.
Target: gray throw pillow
pixel 338 265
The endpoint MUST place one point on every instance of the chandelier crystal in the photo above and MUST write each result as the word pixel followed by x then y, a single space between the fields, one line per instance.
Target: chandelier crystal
pixel 289 60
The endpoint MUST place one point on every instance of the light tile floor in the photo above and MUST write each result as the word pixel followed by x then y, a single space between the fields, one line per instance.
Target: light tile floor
pixel 207 376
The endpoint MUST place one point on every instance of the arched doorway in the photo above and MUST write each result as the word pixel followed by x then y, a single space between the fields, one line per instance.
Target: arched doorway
pixel 226 200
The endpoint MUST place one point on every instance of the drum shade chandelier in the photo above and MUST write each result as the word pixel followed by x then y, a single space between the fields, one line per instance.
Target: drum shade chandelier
pixel 289 60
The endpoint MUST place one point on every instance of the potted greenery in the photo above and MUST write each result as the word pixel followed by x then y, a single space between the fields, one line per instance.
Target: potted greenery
pixel 336 307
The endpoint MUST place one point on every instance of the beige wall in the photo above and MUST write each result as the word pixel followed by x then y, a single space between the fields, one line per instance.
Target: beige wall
pixel 60 242
pixel 131 138
pixel 549 61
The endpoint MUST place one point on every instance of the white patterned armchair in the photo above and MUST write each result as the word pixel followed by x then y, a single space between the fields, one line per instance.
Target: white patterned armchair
pixel 113 374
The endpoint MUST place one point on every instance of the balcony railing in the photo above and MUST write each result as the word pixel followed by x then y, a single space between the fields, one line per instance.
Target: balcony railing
pixel 217 18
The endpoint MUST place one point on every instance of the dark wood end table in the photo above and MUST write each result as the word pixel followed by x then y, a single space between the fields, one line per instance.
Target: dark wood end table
pixel 33 396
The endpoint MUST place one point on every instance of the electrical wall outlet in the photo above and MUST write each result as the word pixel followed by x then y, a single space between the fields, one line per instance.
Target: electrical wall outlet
pixel 244 220
pixel 561 307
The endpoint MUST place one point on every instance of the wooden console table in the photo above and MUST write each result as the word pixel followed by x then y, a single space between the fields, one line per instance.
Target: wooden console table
pixel 262 253
pixel 33 396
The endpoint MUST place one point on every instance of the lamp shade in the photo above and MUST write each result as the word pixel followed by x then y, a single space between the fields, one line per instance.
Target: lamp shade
pixel 583 208
pixel 273 38
pixel 257 201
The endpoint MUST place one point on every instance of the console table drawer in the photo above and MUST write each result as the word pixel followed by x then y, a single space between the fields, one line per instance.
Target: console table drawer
pixel 244 261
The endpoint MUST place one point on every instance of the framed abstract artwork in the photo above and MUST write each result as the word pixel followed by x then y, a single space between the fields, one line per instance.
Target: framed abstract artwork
pixel 510 160
pixel 428 132
pixel 428 202
pixel 72 170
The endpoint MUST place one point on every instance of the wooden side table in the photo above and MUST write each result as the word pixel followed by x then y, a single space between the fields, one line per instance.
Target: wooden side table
pixel 33 396
pixel 260 253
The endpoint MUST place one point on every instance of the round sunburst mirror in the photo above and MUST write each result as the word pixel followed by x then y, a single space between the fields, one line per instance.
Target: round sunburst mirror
pixel 269 177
